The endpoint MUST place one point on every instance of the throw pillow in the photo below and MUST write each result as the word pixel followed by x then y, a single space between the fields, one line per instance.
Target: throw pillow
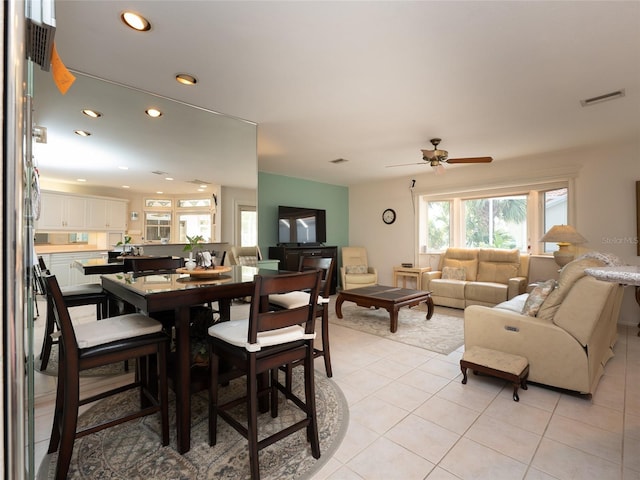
pixel 356 269
pixel 537 297
pixel 453 273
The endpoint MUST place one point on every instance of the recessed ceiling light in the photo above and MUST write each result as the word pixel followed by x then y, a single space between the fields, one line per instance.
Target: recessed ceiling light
pixel 168 178
pixel 135 21
pixel 201 190
pixel 153 112
pixel 203 186
pixel 91 113
pixel 186 79
pixel 82 133
pixel 125 186
pixel 122 167
pixel 81 179
pixel 159 193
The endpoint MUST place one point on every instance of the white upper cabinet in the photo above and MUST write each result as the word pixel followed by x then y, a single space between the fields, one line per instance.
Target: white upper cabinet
pixel 63 211
pixel 105 214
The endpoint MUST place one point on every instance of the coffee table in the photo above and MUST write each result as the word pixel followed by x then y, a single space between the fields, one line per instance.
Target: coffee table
pixel 391 299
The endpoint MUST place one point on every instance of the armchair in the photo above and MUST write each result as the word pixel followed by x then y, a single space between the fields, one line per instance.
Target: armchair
pixel 248 256
pixel 355 271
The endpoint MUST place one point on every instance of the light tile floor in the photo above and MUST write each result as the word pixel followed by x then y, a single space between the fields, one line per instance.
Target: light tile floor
pixel 411 418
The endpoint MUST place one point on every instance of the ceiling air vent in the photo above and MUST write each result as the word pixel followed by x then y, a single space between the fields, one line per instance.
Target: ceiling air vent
pixel 160 172
pixel 602 98
pixel 339 160
pixel 41 29
pixel 198 182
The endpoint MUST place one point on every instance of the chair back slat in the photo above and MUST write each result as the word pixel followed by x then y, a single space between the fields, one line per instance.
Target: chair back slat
pixel 262 321
pixel 62 318
pixel 326 264
pixel 155 264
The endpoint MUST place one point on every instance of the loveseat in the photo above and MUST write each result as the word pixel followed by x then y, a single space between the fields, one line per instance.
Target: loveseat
pixel 566 330
pixel 477 276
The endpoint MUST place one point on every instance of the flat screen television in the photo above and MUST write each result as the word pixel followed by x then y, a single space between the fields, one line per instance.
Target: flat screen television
pixel 298 225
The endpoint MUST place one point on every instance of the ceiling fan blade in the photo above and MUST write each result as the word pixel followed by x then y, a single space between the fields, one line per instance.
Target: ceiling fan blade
pixel 406 164
pixel 470 160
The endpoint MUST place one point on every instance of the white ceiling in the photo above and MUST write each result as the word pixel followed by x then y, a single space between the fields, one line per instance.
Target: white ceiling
pixel 372 82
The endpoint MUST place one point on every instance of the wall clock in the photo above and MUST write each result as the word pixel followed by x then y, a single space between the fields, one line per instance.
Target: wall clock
pixel 389 216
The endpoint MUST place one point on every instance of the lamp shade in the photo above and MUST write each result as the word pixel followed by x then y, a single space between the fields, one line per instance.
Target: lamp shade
pixel 563 234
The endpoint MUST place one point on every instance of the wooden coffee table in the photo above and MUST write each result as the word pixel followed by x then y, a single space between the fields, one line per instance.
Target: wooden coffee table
pixel 391 299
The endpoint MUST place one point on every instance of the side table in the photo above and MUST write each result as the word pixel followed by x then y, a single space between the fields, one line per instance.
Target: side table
pixel 409 272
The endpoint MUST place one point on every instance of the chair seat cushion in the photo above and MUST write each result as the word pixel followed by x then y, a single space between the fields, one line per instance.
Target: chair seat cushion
pixel 293 299
pixel 235 333
pixel 82 289
pixel 115 328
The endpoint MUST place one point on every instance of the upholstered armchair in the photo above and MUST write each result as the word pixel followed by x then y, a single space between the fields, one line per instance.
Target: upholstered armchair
pixel 247 256
pixel 355 271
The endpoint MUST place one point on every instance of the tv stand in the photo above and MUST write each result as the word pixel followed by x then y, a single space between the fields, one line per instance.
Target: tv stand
pixel 289 256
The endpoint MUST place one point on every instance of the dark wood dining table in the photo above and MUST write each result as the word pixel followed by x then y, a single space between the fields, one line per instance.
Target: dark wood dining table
pixel 161 292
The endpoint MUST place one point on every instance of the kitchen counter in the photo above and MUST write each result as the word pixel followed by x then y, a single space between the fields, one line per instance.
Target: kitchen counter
pixel 68 248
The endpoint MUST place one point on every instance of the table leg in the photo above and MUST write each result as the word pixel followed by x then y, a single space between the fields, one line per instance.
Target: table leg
pixel 638 300
pixel 393 314
pixel 339 303
pixel 430 307
pixel 183 381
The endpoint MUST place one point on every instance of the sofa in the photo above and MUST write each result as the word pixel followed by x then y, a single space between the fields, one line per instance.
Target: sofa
pixel 565 328
pixel 477 276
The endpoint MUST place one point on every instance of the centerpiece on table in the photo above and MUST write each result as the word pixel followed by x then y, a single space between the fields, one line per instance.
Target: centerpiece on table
pixel 126 245
pixel 194 242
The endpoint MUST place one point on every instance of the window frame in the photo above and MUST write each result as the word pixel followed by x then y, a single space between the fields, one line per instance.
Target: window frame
pixel 535 210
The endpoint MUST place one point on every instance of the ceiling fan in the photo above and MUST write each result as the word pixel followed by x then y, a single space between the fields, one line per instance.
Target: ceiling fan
pixel 437 157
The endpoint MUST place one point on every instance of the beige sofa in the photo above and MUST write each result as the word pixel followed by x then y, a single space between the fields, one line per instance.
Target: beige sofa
pixel 570 339
pixel 477 276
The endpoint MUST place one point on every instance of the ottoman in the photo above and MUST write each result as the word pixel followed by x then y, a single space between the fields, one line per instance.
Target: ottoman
pixel 513 368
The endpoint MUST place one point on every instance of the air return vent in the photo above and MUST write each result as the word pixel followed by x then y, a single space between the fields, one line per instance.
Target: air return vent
pixel 602 98
pixel 339 160
pixel 41 29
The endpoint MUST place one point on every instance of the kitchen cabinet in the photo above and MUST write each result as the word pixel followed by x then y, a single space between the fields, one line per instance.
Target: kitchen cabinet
pixel 61 265
pixel 61 212
pixel 106 214
pixel 70 212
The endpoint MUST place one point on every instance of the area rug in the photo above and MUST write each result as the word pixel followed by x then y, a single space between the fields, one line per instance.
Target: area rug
pixel 442 334
pixel 133 451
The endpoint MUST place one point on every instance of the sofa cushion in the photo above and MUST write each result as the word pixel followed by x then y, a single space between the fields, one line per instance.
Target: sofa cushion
pixel 470 266
pixel 454 273
pixel 362 278
pixel 485 292
pixel 537 296
pixel 497 272
pixel 569 274
pixel 516 304
pixel 349 269
pixel 447 288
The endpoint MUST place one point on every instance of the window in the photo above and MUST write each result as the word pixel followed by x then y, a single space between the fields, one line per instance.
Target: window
pixel 555 212
pixel 193 224
pixel 502 217
pixel 157 225
pixel 247 223
pixel 439 225
pixel 497 222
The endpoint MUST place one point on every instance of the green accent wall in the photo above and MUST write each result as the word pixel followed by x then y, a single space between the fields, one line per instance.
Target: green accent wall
pixel 274 190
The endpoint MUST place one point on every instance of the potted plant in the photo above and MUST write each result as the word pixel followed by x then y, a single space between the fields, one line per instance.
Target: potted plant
pixel 194 242
pixel 126 245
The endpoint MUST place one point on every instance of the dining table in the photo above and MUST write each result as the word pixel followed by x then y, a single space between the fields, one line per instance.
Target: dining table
pixel 154 293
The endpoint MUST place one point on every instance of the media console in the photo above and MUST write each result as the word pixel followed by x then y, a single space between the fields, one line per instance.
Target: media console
pixel 289 257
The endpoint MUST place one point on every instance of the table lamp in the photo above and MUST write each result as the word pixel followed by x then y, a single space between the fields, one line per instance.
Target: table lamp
pixel 563 235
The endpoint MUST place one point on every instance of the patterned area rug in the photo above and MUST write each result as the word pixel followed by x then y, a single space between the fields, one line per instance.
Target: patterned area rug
pixel 442 334
pixel 133 451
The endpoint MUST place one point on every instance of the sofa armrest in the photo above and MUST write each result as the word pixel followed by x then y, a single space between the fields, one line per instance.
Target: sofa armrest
pixel 516 286
pixel 428 276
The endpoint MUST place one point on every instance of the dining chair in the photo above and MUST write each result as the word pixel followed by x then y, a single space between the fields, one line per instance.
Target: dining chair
pixel 295 299
pixel 74 296
pixel 94 344
pixel 256 347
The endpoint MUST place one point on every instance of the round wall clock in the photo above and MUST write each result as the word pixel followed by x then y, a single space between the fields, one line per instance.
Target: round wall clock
pixel 389 216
